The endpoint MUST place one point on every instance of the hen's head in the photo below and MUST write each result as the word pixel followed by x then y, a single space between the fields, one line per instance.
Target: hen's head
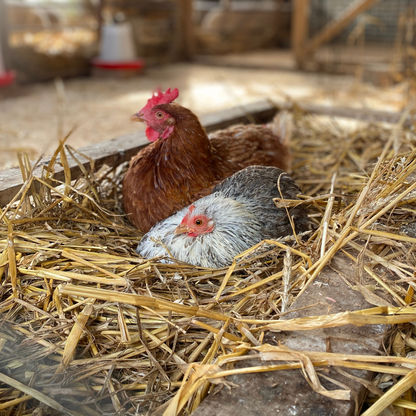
pixel 209 233
pixel 195 223
pixel 159 121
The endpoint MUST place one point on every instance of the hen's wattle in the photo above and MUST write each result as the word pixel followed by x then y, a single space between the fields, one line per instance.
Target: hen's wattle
pixel 243 213
pixel 183 164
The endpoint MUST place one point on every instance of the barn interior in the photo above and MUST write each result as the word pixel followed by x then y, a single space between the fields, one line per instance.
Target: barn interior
pixel 319 325
pixel 213 62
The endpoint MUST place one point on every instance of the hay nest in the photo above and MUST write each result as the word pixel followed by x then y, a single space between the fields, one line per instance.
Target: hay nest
pixel 90 328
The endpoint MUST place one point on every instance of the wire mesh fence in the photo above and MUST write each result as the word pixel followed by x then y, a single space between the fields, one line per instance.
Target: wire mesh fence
pixel 383 36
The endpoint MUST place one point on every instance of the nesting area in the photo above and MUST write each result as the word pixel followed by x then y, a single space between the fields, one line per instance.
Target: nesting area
pixel 90 328
pixel 49 54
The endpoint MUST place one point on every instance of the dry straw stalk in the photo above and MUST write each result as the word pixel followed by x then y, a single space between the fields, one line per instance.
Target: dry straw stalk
pixel 85 320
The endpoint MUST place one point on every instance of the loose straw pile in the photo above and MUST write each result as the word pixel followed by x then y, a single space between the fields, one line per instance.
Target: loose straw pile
pixel 90 328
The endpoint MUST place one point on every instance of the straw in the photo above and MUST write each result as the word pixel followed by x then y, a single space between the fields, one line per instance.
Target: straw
pixel 85 315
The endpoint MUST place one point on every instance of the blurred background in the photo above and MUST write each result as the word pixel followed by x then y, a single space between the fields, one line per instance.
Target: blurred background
pixel 88 65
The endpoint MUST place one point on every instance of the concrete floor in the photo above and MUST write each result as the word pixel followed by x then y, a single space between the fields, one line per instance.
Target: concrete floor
pixel 100 108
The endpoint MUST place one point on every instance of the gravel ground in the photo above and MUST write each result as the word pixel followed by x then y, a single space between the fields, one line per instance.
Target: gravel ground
pixel 100 108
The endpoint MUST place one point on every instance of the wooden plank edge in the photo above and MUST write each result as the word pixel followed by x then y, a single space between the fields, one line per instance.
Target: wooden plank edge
pixel 122 149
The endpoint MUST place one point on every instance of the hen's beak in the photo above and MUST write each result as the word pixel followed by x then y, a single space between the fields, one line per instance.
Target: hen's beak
pixel 182 229
pixel 138 117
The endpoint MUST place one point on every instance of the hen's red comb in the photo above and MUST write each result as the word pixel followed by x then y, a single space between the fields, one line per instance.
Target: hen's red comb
pixel 159 98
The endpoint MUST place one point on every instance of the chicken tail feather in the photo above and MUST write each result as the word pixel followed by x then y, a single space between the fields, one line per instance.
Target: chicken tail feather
pixel 282 126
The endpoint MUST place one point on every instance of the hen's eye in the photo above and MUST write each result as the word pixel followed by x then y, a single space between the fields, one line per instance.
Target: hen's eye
pixel 159 114
pixel 198 222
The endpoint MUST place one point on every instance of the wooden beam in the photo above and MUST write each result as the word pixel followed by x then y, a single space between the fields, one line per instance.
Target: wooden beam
pixel 336 25
pixel 300 29
pixel 4 35
pixel 99 16
pixel 186 29
pixel 122 149
pixel 190 29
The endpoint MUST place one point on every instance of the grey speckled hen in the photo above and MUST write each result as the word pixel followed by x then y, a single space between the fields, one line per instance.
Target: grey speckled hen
pixel 237 215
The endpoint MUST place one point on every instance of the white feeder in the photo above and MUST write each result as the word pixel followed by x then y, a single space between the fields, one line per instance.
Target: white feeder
pixel 117 51
pixel 117 43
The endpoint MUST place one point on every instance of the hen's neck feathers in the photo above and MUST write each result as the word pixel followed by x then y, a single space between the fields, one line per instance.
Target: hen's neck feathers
pixel 188 144
pixel 186 152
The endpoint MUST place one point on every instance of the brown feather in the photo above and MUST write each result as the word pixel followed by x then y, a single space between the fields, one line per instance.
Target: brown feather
pixel 170 174
pixel 251 145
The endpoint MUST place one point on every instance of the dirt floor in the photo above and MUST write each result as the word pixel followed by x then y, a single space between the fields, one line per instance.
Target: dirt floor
pixel 100 108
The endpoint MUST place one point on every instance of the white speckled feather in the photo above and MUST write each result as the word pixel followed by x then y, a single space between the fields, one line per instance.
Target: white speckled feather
pixel 236 229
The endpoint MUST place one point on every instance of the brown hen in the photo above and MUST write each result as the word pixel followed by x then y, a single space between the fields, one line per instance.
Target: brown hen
pixel 183 164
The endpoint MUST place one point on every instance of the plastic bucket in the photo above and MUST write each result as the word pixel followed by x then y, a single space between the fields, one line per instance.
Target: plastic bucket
pixel 117 43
